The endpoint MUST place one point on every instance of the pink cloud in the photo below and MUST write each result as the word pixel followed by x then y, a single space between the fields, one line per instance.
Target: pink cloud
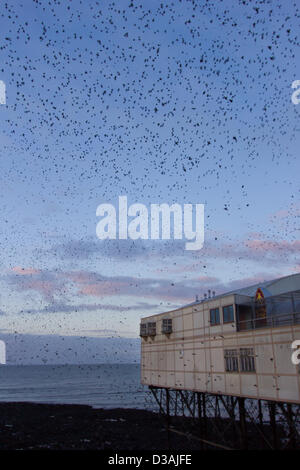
pixel 182 269
pixel 206 279
pixel 104 288
pixel 292 211
pixel 273 246
pixel 24 271
pixel 80 277
pixel 43 287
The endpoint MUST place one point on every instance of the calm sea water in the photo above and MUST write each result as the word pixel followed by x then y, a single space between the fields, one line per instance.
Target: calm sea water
pixel 101 386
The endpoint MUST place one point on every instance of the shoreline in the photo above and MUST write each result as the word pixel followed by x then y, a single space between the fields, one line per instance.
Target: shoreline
pixel 37 426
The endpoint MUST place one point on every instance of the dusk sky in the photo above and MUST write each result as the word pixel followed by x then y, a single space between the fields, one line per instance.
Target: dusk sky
pixel 164 102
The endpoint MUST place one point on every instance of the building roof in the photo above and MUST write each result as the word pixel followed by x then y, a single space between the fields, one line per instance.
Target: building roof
pixel 273 287
pixel 276 286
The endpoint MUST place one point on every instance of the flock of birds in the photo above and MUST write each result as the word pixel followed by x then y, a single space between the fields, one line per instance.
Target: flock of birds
pixel 147 98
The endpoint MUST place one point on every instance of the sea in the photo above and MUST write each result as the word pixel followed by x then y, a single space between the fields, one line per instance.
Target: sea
pixel 100 386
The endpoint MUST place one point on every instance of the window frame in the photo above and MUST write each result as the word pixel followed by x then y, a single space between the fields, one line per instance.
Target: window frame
pixel 227 306
pixel 231 356
pixel 213 311
pixel 167 326
pixel 240 361
pixel 143 330
pixel 247 360
pixel 151 327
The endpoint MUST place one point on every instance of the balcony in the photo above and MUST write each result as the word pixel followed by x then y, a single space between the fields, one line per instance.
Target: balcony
pixel 281 319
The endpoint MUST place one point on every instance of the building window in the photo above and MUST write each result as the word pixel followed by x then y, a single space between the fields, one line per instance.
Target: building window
pixel 228 315
pixel 143 329
pixel 151 328
pixel 214 316
pixel 166 326
pixel 247 360
pixel 239 360
pixel 231 360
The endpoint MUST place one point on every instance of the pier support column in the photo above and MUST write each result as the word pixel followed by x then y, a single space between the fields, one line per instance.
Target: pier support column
pixel 272 414
pixel 243 425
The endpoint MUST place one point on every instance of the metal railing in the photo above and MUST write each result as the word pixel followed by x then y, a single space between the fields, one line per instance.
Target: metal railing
pixel 272 321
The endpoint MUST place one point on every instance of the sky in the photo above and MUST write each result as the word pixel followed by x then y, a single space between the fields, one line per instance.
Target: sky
pixel 184 102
